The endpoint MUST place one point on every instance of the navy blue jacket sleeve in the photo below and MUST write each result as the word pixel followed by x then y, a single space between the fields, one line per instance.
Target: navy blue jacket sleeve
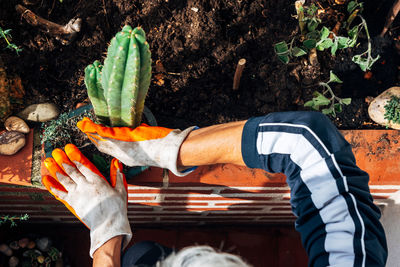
pixel 336 217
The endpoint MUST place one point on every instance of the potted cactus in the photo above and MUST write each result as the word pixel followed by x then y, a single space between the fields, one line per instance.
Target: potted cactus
pixel 118 88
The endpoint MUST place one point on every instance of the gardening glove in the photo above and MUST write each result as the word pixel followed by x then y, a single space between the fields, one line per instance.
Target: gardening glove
pixel 100 205
pixel 143 146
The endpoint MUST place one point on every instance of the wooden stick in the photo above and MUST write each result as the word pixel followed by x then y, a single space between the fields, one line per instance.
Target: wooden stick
pixel 65 33
pixel 238 73
pixel 391 16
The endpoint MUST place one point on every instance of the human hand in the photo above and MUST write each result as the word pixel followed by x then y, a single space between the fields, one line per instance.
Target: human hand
pixel 143 146
pixel 100 205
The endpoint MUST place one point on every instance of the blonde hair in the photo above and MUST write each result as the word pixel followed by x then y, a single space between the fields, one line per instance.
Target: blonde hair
pixel 201 256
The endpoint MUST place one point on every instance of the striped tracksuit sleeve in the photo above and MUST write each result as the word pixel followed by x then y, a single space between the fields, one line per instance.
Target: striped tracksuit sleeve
pixel 336 217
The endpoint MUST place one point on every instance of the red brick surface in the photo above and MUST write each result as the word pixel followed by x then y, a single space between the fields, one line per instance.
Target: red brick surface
pixel 16 169
pixel 219 193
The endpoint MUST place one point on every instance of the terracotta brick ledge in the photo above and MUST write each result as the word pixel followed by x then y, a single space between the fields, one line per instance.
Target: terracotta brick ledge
pixel 221 193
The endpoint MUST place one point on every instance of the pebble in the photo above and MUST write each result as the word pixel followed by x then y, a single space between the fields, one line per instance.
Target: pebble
pixel 14 123
pixel 376 109
pixel 40 259
pixel 32 253
pixel 40 112
pixel 11 142
pixel 14 245
pixel 13 261
pixel 5 250
pixel 23 242
pixel 43 244
pixel 31 244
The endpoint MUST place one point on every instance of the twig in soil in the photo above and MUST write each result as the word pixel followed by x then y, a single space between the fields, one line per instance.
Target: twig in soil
pixel 174 73
pixel 65 34
pixel 391 16
pixel 238 73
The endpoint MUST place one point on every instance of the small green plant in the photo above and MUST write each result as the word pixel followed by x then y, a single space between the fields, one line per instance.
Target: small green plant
pixel 11 219
pixel 392 110
pixel 118 89
pixel 58 132
pixel 5 34
pixel 323 38
pixel 332 103
pixel 365 63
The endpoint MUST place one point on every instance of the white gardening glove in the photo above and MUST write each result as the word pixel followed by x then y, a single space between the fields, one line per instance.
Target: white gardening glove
pixel 100 205
pixel 143 146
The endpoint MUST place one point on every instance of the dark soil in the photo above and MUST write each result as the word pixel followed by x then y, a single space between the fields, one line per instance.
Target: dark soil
pixel 199 43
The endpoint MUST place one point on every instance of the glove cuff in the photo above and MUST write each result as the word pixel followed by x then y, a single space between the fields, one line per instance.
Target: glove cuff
pixel 107 231
pixel 169 156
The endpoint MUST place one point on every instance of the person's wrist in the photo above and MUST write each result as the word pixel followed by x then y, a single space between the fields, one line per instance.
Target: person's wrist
pixel 105 232
pixel 109 254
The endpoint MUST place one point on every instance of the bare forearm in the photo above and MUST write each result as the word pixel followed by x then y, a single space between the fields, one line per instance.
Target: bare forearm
pixel 109 254
pixel 215 144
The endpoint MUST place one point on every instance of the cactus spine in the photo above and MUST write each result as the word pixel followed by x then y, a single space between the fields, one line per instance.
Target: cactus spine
pixel 119 88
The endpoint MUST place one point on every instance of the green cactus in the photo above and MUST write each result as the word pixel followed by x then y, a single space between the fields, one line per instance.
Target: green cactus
pixel 119 88
pixel 96 92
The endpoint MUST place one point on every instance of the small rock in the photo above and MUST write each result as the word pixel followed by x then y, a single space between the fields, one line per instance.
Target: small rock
pixel 23 242
pixel 43 244
pixel 195 9
pixel 13 261
pixel 14 123
pixel 31 253
pixel 40 259
pixel 5 250
pixel 40 112
pixel 14 245
pixel 11 142
pixel 31 244
pixel 376 109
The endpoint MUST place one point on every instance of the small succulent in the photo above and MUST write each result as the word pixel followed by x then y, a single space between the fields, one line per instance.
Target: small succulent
pixel 392 110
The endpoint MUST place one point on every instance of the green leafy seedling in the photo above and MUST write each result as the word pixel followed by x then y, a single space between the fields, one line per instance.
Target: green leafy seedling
pixel 6 35
pixel 12 218
pixel 330 105
pixel 324 39
pixel 282 51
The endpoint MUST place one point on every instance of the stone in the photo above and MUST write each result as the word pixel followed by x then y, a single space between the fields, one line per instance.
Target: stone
pixel 5 250
pixel 40 112
pixel 31 244
pixel 40 259
pixel 43 244
pixel 376 109
pixel 14 123
pixel 23 242
pixel 14 245
pixel 11 142
pixel 13 261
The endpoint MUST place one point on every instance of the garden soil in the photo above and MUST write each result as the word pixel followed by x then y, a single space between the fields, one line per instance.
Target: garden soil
pixel 195 47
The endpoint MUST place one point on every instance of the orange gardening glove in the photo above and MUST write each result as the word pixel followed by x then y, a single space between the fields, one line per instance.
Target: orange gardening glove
pixel 143 146
pixel 101 206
